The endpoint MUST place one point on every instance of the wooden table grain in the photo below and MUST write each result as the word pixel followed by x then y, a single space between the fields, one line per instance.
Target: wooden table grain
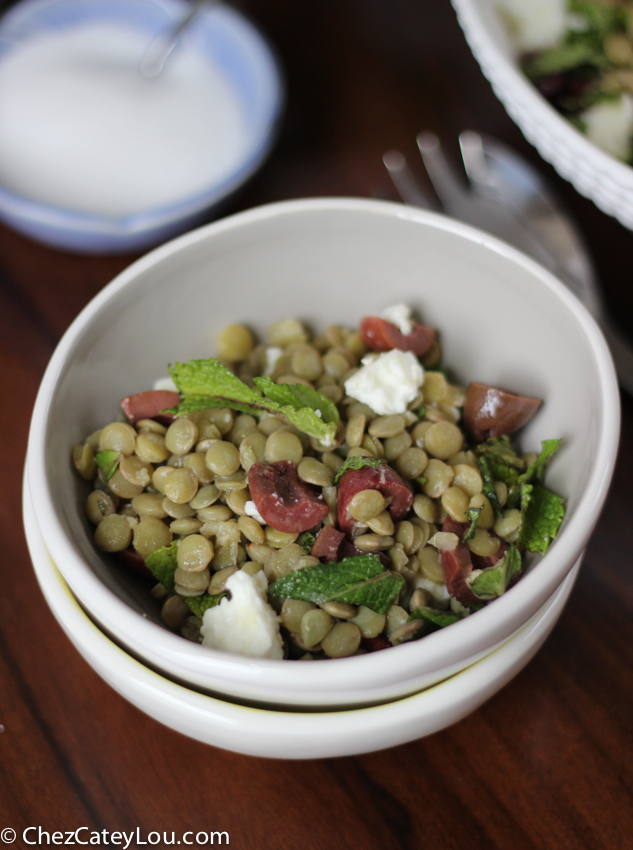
pixel 546 763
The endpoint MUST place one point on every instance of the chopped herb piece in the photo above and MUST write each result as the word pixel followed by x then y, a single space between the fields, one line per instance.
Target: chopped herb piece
pixel 473 515
pixel 534 472
pixel 421 411
pixel 440 619
pixel 207 383
pixel 200 604
pixel 420 481
pixel 504 463
pixel 601 17
pixel 493 581
pixel 163 564
pixel 489 486
pixel 306 541
pixel 542 513
pixel 107 461
pixel 357 463
pixel 556 60
pixel 359 580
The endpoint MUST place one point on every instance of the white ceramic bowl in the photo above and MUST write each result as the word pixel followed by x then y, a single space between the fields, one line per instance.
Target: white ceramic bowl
pixel 503 320
pixel 224 36
pixel 594 173
pixel 284 734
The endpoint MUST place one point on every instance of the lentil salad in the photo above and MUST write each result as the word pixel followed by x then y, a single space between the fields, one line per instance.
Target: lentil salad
pixel 320 496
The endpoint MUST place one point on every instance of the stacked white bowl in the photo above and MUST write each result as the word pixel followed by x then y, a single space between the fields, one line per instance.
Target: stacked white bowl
pixel 502 319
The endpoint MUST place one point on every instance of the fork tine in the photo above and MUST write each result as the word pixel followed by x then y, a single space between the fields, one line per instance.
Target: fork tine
pixel 406 184
pixel 449 189
pixel 472 149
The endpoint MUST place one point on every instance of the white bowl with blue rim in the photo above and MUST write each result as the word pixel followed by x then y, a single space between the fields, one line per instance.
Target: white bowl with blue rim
pixel 234 47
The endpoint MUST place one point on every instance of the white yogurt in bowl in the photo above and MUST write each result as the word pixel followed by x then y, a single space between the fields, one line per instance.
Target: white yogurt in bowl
pixel 81 128
pixel 96 156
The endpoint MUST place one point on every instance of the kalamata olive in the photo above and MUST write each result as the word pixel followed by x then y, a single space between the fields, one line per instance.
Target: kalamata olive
pixel 382 478
pixel 327 544
pixel 457 565
pixel 380 335
pixel 134 562
pixel 491 412
pixel 285 503
pixel 148 405
pixel 375 644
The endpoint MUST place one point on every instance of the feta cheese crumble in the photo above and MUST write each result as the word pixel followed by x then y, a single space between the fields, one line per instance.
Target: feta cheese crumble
pixel 165 384
pixel 400 316
pixel 609 125
pixel 534 24
pixel 272 355
pixel 245 623
pixel 251 510
pixel 389 383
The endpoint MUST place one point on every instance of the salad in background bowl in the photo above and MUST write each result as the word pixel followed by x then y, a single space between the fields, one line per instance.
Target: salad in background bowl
pixel 562 70
pixel 579 55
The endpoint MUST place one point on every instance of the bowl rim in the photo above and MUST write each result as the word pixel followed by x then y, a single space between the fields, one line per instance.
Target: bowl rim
pixel 262 731
pixel 486 50
pixel 489 627
pixel 134 224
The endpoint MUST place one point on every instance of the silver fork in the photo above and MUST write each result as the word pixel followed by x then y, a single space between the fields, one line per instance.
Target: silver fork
pixel 507 197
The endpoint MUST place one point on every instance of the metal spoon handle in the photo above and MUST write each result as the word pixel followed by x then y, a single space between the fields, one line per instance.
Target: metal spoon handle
pixel 164 44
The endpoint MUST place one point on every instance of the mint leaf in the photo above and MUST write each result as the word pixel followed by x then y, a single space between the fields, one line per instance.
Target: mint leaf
pixel 535 471
pixel 162 564
pixel 107 461
pixel 504 463
pixel 359 580
pixel 542 513
pixel 357 463
pixel 440 619
pixel 493 581
pixel 473 515
pixel 303 407
pixel 205 384
pixel 306 541
pixel 200 604
pixel 489 486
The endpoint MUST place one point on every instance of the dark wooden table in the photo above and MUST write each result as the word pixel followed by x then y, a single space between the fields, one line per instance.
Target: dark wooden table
pixel 548 762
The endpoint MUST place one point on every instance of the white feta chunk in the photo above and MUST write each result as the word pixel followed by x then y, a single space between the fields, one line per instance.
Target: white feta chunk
pixel 272 355
pixel 609 125
pixel 251 510
pixel 165 384
pixel 439 592
pixel 534 24
pixel 389 383
pixel 245 623
pixel 400 316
